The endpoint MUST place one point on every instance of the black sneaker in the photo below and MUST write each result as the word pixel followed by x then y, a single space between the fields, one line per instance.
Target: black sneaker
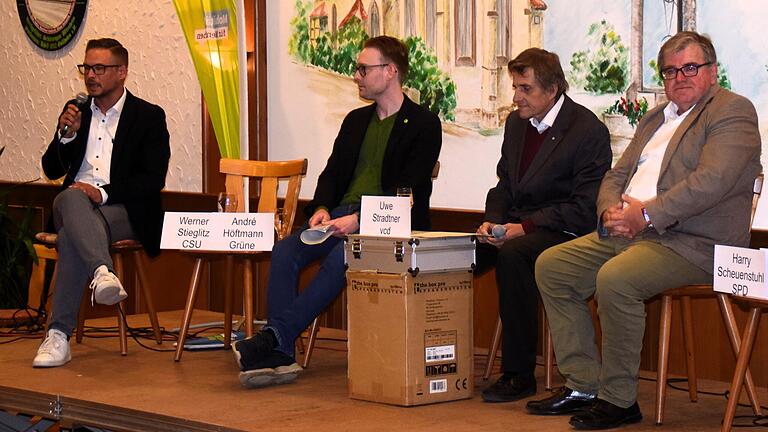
pixel 250 351
pixel 275 368
pixel 510 388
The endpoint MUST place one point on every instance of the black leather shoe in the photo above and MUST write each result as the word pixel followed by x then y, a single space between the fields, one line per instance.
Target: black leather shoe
pixel 510 388
pixel 605 415
pixel 564 401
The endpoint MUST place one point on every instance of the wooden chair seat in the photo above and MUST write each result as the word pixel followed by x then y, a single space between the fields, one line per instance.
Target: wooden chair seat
pixel 118 250
pixel 269 173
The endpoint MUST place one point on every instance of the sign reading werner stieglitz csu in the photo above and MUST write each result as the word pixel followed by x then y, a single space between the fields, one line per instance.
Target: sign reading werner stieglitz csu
pixel 232 232
pixel 740 271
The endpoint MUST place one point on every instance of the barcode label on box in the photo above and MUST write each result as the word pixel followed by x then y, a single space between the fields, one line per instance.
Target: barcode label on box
pixel 438 386
pixel 440 353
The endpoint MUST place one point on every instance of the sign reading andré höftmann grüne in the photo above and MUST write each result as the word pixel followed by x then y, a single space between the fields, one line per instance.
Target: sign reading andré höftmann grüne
pixel 51 25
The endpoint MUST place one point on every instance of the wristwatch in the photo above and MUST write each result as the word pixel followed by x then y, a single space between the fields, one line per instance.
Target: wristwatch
pixel 647 218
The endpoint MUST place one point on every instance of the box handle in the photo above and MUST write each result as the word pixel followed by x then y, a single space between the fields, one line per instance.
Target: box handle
pixel 399 251
pixel 356 249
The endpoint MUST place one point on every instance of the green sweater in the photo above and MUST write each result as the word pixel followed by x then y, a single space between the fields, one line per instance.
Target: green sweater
pixel 367 177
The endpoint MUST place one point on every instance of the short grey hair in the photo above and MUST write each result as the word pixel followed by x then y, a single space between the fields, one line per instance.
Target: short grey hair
pixel 682 40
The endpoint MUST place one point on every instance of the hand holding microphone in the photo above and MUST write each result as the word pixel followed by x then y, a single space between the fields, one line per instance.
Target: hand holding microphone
pixel 70 119
pixel 499 231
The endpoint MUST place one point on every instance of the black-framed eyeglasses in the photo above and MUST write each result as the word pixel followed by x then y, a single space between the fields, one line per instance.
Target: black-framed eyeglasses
pixel 97 69
pixel 689 70
pixel 363 69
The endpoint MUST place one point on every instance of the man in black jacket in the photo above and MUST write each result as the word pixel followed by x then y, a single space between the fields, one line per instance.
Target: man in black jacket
pixel 553 157
pixel 114 151
pixel 389 144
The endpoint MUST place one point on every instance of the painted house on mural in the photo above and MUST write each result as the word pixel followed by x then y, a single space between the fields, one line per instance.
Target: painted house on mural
pixel 473 41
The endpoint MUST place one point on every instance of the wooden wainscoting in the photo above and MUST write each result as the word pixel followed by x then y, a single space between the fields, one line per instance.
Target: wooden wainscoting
pixel 169 274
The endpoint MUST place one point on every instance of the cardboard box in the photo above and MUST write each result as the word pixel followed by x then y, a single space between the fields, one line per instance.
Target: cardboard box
pixel 410 337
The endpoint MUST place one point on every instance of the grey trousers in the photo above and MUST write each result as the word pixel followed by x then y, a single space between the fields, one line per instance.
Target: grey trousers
pixel 85 232
pixel 621 274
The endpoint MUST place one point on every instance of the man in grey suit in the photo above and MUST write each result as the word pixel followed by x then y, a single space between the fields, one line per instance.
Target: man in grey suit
pixel 683 185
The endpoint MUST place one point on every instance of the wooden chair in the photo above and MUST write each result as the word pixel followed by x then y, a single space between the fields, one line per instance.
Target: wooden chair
pixel 315 327
pixel 119 250
pixel 548 351
pixel 685 294
pixel 269 173
pixel 756 309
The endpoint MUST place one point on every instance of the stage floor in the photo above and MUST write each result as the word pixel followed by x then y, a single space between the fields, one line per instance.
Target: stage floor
pixel 146 390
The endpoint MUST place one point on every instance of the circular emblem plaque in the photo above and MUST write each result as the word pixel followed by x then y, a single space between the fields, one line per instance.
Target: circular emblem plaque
pixel 51 24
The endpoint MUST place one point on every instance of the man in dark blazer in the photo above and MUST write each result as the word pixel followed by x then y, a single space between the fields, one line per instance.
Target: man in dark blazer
pixel 683 185
pixel 113 151
pixel 553 157
pixel 389 144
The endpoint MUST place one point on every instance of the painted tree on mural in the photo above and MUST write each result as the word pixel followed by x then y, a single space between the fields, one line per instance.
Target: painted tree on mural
pixel 604 67
pixel 338 52
pixel 437 91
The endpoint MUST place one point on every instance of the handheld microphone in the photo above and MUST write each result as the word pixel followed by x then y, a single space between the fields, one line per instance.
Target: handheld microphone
pixel 80 100
pixel 499 231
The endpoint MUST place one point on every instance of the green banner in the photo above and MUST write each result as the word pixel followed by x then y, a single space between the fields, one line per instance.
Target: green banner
pixel 210 27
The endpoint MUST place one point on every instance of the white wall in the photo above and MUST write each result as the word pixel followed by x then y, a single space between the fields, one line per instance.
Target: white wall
pixel 34 84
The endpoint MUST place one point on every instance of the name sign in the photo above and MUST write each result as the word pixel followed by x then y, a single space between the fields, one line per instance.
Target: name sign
pixel 740 271
pixel 385 216
pixel 231 232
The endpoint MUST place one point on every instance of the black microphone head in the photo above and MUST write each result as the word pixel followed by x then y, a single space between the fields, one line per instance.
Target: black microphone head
pixel 81 99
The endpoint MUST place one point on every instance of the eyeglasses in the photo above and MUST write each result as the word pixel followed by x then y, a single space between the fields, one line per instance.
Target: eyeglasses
pixel 97 69
pixel 689 70
pixel 363 69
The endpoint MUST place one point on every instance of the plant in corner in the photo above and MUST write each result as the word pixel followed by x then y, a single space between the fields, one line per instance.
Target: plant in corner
pixel 16 254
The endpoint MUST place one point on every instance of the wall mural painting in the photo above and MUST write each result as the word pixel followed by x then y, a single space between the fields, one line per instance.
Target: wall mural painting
pixel 459 50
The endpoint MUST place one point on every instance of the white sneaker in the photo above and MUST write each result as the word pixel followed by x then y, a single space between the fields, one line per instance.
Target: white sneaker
pixel 54 351
pixel 106 288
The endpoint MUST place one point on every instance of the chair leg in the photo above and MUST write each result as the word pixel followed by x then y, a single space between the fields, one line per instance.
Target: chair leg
pixel 690 363
pixel 138 258
pixel 248 295
pixel 493 349
pixel 745 353
pixel 228 289
pixel 121 325
pixel 313 329
pixel 84 304
pixel 549 357
pixel 194 283
pixel 665 324
pixel 726 308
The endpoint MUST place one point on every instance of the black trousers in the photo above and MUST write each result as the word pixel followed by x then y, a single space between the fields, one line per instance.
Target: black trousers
pixel 518 294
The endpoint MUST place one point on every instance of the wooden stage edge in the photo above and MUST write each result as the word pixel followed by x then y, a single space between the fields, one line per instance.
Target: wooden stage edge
pixel 70 412
pixel 147 391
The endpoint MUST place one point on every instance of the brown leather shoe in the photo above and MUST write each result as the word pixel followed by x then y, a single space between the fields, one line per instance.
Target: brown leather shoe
pixel 564 401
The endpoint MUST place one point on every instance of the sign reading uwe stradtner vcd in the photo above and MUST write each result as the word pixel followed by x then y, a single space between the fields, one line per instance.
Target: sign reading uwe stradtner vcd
pixel 740 271
pixel 232 232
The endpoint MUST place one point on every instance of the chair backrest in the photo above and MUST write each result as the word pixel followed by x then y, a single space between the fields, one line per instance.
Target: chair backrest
pixel 269 173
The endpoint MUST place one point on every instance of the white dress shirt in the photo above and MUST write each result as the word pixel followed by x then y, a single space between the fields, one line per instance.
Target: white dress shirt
pixel 548 119
pixel 643 184
pixel 98 152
